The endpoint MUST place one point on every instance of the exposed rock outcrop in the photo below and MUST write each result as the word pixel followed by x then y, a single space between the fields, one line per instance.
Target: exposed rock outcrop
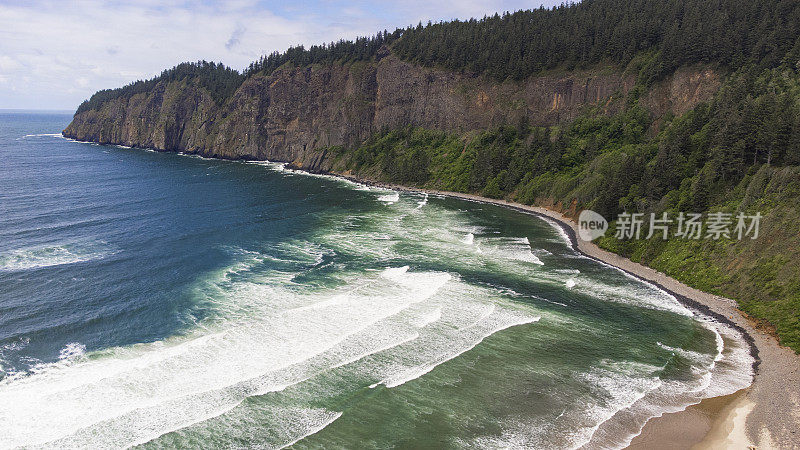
pixel 294 114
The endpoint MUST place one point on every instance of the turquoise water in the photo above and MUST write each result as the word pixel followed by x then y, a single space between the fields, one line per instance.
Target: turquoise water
pixel 169 300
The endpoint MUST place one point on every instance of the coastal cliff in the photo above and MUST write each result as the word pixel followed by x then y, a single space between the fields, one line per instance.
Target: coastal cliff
pixel 294 114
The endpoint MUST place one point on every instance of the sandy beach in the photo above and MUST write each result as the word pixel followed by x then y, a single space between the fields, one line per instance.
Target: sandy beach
pixel 765 415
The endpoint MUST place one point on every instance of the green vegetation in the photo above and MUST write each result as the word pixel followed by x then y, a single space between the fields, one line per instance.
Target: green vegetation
pixel 219 80
pixel 738 153
pixel 361 49
pixel 727 32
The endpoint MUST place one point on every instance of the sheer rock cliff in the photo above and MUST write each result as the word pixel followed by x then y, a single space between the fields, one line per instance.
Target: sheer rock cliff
pixel 295 114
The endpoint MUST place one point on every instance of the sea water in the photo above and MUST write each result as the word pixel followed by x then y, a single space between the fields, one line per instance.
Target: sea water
pixel 170 300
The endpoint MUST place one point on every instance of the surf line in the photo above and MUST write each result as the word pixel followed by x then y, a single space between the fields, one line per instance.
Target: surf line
pixel 695 306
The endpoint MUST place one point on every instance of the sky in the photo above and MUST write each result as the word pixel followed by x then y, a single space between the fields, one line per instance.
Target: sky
pixel 56 53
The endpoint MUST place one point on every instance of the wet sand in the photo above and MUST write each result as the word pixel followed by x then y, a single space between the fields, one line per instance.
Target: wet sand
pixel 700 426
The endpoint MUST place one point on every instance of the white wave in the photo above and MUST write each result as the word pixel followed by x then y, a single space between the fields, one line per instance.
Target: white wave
pixel 731 367
pixel 730 374
pixel 725 371
pixel 72 351
pixel 529 257
pixel 43 135
pixel 625 395
pixel 430 318
pixel 418 371
pixel 613 387
pixel 276 166
pixel 720 342
pixel 422 202
pixel 616 387
pixel 570 283
pixel 372 351
pixel 196 156
pixel 689 355
pixel 260 342
pixel 560 229
pixel 390 198
pixel 639 294
pixel 323 419
pixel 48 256
pixel 511 248
pixel 284 169
pixel 664 300
pixel 395 273
pixel 469 239
pixel 704 366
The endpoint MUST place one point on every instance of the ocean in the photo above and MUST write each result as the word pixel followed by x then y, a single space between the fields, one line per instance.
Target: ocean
pixel 167 300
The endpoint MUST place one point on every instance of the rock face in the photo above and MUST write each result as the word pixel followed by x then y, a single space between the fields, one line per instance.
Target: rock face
pixel 681 92
pixel 294 114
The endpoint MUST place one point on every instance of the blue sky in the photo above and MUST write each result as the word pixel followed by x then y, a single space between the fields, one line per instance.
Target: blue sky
pixel 54 54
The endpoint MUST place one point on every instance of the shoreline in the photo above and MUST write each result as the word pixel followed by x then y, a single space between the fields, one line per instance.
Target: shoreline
pixel 765 414
pixel 761 415
pixel 712 423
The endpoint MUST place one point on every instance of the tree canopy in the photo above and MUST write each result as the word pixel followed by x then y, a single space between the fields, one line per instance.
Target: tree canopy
pixel 730 33
pixel 221 81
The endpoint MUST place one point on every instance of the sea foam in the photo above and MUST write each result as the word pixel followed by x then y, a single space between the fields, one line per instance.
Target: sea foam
pixel 53 255
pixel 389 198
pixel 269 337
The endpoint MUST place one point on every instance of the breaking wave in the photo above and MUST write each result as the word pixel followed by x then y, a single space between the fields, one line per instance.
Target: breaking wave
pixel 380 301
pixel 48 256
pixel 390 198
pixel 268 335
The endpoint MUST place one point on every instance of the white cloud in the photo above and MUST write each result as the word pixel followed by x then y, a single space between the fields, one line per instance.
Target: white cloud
pixel 8 64
pixel 54 54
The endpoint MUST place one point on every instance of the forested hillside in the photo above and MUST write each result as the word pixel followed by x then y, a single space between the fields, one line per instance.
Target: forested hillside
pixel 736 149
pixel 726 32
pixel 219 80
pixel 737 153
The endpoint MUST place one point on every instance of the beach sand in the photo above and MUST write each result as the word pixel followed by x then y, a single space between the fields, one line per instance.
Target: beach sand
pixel 765 415
pixel 713 423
